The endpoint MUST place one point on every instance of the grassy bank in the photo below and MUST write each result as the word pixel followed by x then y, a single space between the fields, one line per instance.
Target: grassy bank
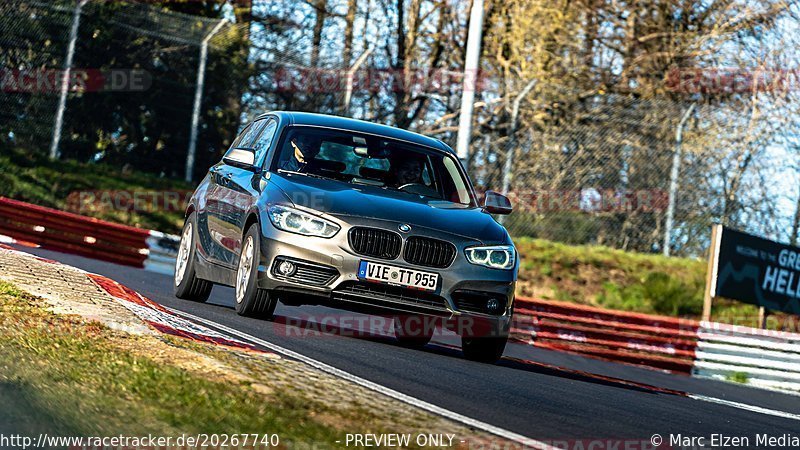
pixel 76 378
pixel 59 184
pixel 67 376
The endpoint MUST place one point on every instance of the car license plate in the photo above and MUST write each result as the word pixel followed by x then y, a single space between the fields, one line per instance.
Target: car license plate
pixel 398 276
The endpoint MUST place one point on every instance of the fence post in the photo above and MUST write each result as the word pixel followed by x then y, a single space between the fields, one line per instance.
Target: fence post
pixel 64 90
pixel 351 72
pixel 198 100
pixel 673 179
pixel 511 148
pixel 471 64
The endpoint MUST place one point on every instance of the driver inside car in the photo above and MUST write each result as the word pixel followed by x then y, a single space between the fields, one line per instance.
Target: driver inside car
pixel 304 149
pixel 407 171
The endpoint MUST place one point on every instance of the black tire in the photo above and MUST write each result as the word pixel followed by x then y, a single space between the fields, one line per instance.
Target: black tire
pixel 409 334
pixel 484 349
pixel 188 286
pixel 254 302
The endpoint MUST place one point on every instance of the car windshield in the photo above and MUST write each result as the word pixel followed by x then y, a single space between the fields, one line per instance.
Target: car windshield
pixel 375 161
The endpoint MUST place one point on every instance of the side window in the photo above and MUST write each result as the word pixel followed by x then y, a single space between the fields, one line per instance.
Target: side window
pixel 248 140
pixel 426 174
pixel 459 192
pixel 264 141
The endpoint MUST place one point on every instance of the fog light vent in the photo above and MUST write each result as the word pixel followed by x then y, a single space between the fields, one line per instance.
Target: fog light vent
pixel 287 268
pixel 491 303
pixel 303 272
pixel 494 306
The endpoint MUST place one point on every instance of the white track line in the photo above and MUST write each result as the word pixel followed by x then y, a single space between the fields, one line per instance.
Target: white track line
pixel 500 432
pixel 746 407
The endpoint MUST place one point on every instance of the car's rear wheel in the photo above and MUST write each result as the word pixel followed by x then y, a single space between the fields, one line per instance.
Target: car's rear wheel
pixel 483 349
pixel 252 301
pixel 187 285
pixel 412 332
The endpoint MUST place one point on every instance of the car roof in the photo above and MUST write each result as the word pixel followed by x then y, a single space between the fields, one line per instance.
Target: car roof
pixel 345 123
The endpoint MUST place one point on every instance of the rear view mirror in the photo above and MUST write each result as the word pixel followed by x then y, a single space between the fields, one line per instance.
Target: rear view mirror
pixel 241 157
pixel 366 152
pixel 496 203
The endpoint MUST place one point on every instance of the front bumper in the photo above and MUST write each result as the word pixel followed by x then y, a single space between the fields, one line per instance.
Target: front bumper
pixel 327 274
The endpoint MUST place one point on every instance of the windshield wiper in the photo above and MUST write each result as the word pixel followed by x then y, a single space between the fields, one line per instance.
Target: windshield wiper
pixel 306 174
pixel 394 189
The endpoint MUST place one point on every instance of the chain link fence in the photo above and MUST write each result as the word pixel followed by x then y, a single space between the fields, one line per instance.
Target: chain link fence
pixel 608 177
pixel 601 169
pixel 131 85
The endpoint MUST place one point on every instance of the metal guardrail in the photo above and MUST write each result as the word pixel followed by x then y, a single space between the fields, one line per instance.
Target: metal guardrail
pixel 656 342
pixel 86 236
pixel 759 357
pixel 762 358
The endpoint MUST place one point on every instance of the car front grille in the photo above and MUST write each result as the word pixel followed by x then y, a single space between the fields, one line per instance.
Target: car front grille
pixel 393 297
pixel 429 252
pixel 375 242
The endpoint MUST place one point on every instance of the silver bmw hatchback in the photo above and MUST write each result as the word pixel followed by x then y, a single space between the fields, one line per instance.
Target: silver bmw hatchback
pixel 315 209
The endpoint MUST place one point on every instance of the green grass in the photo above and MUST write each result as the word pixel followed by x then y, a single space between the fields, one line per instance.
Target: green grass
pixel 738 377
pixel 611 278
pixel 66 376
pixel 58 184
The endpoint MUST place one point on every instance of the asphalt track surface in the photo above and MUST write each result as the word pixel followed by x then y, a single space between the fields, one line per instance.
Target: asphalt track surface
pixel 540 394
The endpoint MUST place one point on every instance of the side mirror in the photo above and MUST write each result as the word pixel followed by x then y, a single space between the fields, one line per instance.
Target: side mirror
pixel 242 157
pixel 496 203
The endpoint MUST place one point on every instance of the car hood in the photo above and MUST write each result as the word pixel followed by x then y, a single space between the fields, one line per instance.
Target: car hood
pixel 342 199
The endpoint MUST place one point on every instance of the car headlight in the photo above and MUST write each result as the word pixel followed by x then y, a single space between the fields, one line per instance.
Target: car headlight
pixel 494 257
pixel 296 221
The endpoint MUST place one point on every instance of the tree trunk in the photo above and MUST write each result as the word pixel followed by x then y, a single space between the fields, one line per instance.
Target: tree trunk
pixel 347 55
pixel 319 25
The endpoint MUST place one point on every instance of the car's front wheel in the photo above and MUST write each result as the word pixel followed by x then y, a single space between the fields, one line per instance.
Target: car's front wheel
pixel 252 301
pixel 483 349
pixel 187 286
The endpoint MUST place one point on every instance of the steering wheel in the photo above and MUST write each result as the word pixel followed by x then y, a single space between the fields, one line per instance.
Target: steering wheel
pixel 418 189
pixel 410 185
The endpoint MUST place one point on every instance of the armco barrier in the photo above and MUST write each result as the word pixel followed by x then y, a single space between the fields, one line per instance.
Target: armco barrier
pixel 86 236
pixel 762 358
pixel 652 341
pixel 759 357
